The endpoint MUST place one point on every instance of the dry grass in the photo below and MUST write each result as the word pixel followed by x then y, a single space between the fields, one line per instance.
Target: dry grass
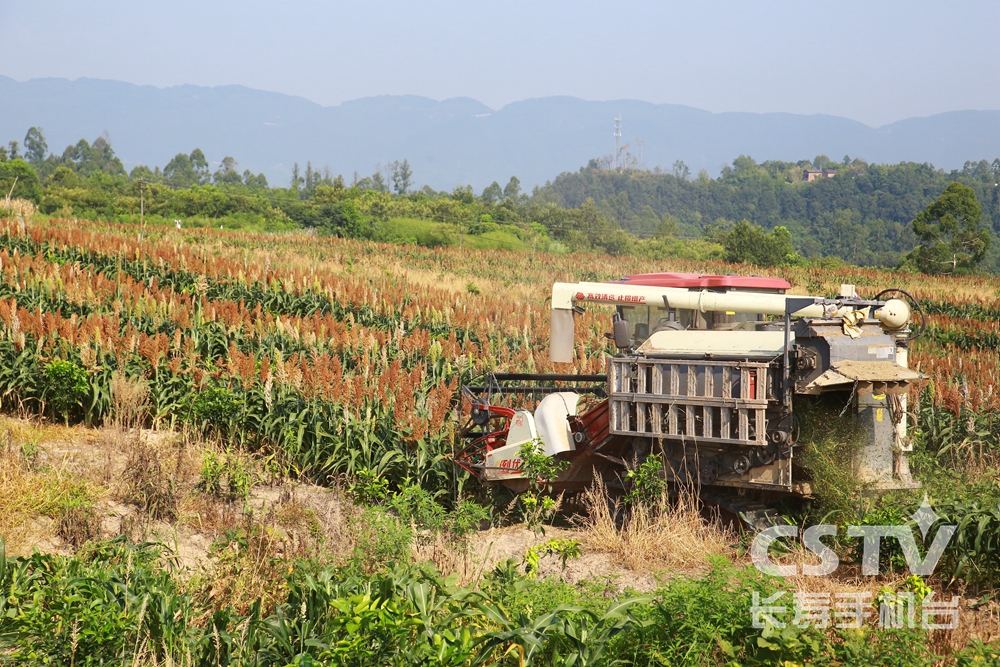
pixel 29 495
pixel 153 470
pixel 146 481
pixel 206 514
pixel 671 534
pixel 129 403
pixel 78 524
pixel 257 546
pixel 451 556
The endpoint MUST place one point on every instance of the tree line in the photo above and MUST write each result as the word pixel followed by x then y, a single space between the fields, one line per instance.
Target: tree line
pixel 768 214
pixel 89 180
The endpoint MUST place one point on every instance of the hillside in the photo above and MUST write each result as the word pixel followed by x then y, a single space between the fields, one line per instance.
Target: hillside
pixel 460 140
pixel 860 213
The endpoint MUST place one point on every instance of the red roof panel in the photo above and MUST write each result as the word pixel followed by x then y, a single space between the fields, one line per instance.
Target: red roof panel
pixel 694 280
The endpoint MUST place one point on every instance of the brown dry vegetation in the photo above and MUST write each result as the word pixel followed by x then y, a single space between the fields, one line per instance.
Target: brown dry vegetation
pixel 21 209
pixel 147 485
pixel 667 534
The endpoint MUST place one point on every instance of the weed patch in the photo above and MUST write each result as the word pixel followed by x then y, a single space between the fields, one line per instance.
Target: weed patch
pixel 147 483
pixel 658 534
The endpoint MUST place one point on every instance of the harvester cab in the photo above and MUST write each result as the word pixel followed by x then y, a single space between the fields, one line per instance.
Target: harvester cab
pixel 708 373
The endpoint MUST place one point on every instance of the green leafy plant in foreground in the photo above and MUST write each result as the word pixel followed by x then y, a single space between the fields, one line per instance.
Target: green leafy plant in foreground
pixel 538 504
pixel 648 483
pixel 564 548
pixel 65 387
pixel 118 604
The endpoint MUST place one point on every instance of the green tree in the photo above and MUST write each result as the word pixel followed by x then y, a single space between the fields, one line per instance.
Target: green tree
pixel 492 193
pixel 681 170
pixel 512 190
pixel 749 243
pixel 63 177
pixel 843 233
pixel 342 219
pixel 200 165
pixel 258 182
pixel 35 146
pixel 86 159
pixel 20 176
pixel 401 177
pixel 667 228
pixel 463 194
pixel 228 172
pixel 950 228
pixel 144 172
pixel 744 163
pixel 183 171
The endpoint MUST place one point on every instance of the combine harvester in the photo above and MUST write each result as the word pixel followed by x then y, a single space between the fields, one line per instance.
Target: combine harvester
pixel 707 373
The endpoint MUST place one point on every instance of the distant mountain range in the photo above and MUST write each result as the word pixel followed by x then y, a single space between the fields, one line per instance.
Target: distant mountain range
pixel 457 141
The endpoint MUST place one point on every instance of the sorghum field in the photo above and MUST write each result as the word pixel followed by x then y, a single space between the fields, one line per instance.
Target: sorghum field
pixel 336 364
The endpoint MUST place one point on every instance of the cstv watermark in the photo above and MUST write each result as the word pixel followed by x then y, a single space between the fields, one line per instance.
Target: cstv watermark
pixel 852 609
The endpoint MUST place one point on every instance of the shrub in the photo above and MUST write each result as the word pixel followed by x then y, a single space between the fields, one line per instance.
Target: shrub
pixel 483 226
pixel 413 505
pixel 538 504
pixel 648 484
pixel 65 386
pixel 369 488
pixel 379 539
pixel 564 548
pixel 216 409
pixel 227 475
pixel 434 238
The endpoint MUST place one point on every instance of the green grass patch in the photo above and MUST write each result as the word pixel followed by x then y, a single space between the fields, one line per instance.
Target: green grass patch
pixel 432 234
pixel 498 240
pixel 244 222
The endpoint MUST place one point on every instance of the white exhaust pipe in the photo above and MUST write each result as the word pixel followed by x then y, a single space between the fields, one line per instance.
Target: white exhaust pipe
pixel 564 295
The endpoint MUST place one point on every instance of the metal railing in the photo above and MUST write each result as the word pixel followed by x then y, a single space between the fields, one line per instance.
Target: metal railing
pixel 706 401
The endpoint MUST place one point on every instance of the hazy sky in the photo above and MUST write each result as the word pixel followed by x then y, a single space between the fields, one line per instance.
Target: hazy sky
pixel 872 61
